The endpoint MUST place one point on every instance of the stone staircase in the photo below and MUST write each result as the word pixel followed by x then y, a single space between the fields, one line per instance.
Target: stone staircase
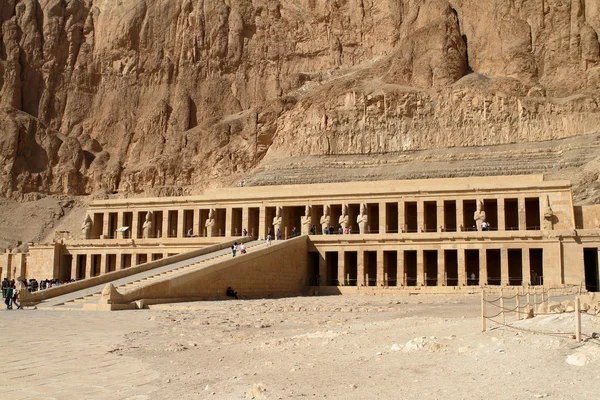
pixel 88 298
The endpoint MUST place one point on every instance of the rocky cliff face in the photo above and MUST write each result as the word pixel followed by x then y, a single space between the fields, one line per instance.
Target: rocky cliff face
pixel 169 96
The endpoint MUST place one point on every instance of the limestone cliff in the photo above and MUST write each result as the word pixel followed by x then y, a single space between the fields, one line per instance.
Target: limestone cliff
pixel 164 96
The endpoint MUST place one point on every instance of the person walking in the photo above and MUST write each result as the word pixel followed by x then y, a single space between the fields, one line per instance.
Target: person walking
pixel 233 249
pixel 8 298
pixel 15 296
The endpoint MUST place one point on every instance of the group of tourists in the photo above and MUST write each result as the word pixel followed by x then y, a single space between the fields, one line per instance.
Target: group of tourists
pixel 235 247
pixel 10 294
pixel 331 230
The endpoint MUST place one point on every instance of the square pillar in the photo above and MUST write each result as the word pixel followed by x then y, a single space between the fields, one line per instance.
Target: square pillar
pixel 420 268
pixel 360 268
pixel 262 216
pixel 228 221
pixel 380 269
pixel 74 267
pixel 460 211
pixel 420 219
pixel 440 219
pixel 401 221
pixel 522 215
pixel 245 219
pixel 165 224
pixel 180 223
pixel 501 215
pixel 441 268
pixel 105 227
pixel 134 225
pixel 382 221
pixel 462 268
pixel 88 265
pixel 323 269
pixel 103 264
pixel 401 270
pixel 119 262
pixel 526 267
pixel 197 225
pixel 341 269
pixel 483 275
pixel 504 267
pixel 120 219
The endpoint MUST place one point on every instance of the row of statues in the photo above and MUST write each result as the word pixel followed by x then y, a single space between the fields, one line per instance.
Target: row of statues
pixel 344 220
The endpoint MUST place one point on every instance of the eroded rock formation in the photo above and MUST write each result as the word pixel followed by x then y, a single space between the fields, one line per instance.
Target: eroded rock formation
pixel 164 96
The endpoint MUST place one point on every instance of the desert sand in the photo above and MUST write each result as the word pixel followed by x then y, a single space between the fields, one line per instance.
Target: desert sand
pixel 336 347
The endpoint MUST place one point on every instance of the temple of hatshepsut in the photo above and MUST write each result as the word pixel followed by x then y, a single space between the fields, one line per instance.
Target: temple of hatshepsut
pixel 430 236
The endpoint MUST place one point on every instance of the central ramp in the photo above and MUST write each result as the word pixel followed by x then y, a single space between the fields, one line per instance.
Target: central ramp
pixel 266 270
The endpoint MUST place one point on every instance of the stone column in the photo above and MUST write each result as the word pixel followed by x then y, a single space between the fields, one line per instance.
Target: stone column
pixel 323 269
pixel 526 267
pixel 197 225
pixel 501 215
pixel 165 224
pixel 134 224
pixel 341 268
pixel 228 221
pixel 88 265
pixel 360 268
pixel 441 268
pixel 105 227
pixel 420 269
pixel 462 267
pixel 522 215
pixel 420 216
pixel 74 266
pixel 181 232
pixel 262 216
pixel 382 218
pixel 440 217
pixel 120 220
pixel 483 275
pixel 401 221
pixel 119 262
pixel 245 220
pixel 460 217
pixel 504 267
pixel 380 269
pixel 103 264
pixel 400 269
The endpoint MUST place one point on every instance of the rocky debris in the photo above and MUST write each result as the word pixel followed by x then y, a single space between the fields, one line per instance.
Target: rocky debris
pixel 256 391
pixel 577 359
pixel 423 343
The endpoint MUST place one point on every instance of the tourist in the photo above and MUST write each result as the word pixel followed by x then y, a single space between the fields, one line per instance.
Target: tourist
pixel 341 230
pixel 331 230
pixel 233 249
pixel 325 231
pixel 190 233
pixel 269 238
pixel 242 248
pixel 485 226
pixel 4 287
pixel 231 293
pixel 313 230
pixel 15 296
pixel 244 232
pixel 278 237
pixel 294 232
pixel 8 297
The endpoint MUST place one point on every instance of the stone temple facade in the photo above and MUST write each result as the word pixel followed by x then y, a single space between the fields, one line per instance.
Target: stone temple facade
pixel 434 235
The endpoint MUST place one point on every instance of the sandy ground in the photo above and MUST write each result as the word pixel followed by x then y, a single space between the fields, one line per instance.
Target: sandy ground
pixel 350 347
